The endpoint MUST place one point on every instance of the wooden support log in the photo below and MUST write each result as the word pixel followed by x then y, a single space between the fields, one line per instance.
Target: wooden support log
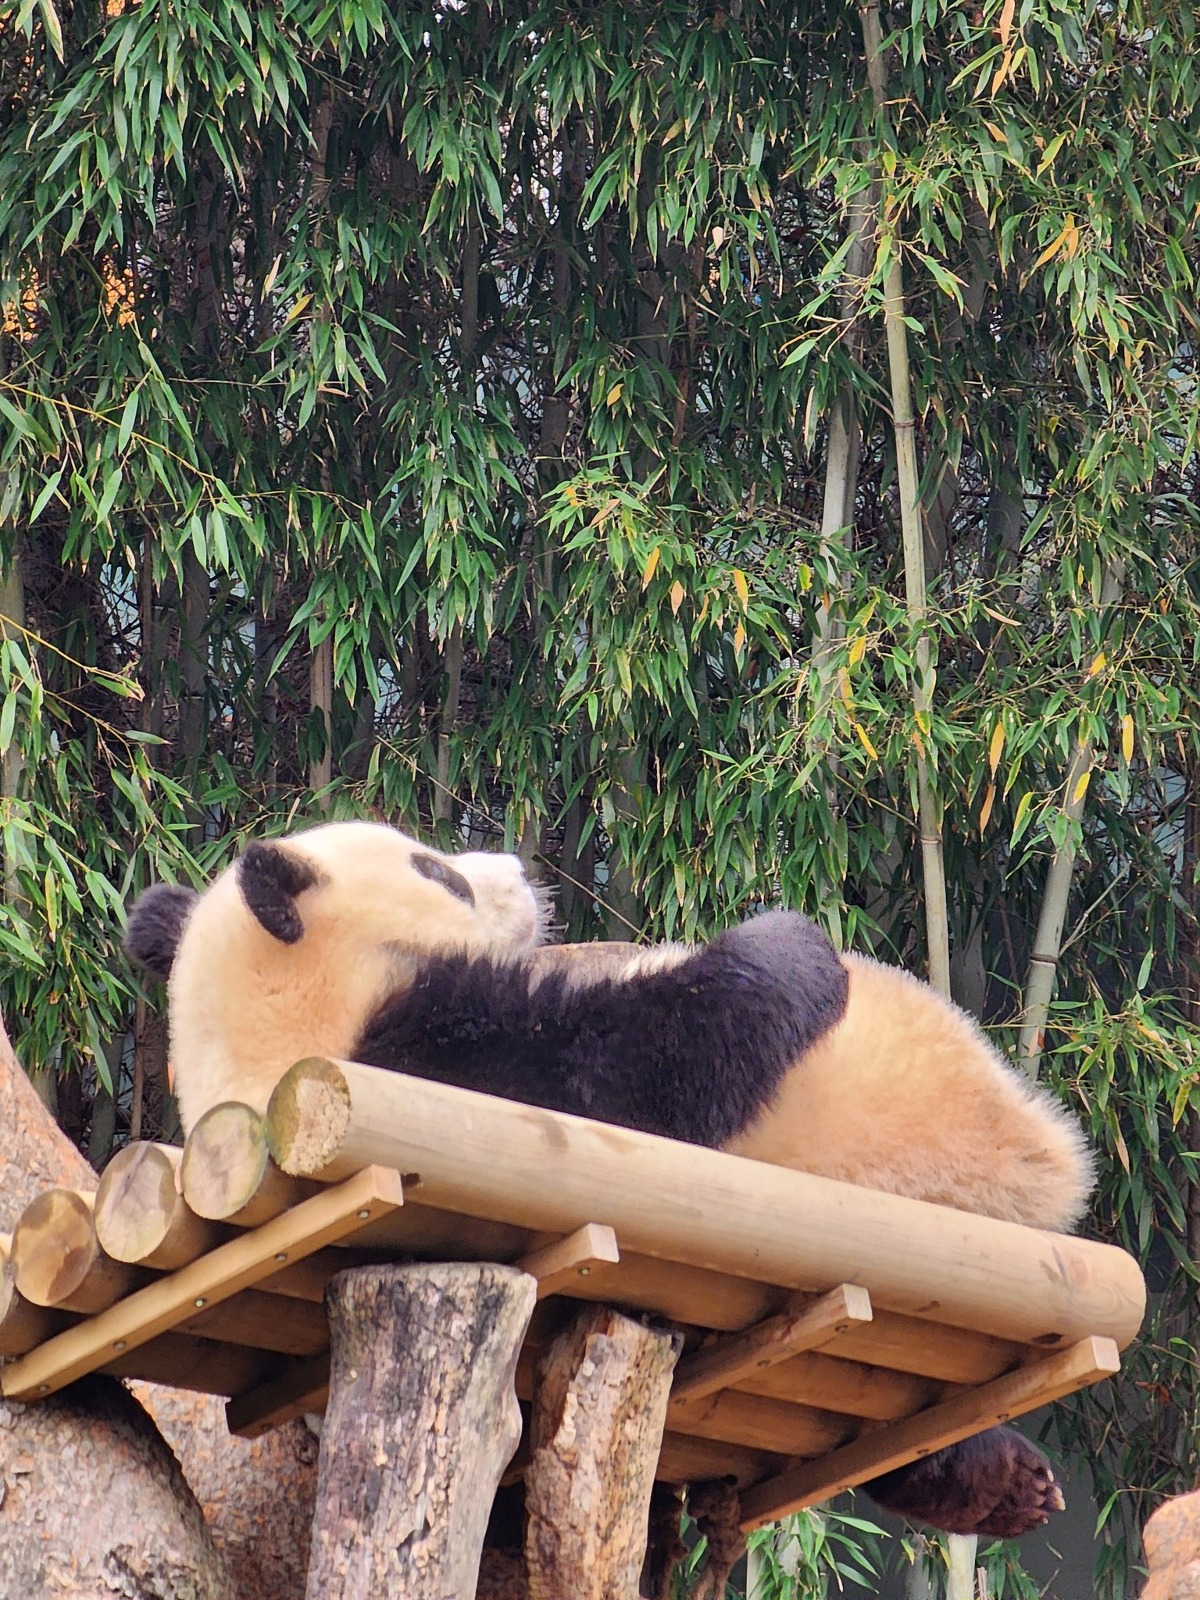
pixel 166 1304
pixel 422 1419
pixel 498 1159
pixel 954 1419
pixel 57 1259
pixel 141 1215
pixel 596 1434
pixel 723 1364
pixel 22 1325
pixel 227 1174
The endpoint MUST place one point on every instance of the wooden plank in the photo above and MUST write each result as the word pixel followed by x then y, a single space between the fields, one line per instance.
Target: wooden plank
pixel 559 1265
pixel 872 1393
pixel 927 1350
pixel 748 1419
pixel 244 1261
pixel 184 1361
pixel 687 1294
pixel 263 1322
pixel 301 1387
pixel 522 1164
pixel 692 1460
pixel 957 1418
pixel 767 1343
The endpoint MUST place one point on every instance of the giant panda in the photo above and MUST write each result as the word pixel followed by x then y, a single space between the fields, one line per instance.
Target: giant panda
pixel 352 940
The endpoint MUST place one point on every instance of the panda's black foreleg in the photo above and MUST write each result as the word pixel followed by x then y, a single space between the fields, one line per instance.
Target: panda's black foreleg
pixel 998 1484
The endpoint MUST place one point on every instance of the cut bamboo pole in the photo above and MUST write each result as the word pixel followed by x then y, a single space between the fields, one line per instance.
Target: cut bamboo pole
pixel 57 1259
pixel 165 1304
pixel 227 1174
pixel 141 1215
pixel 955 1419
pixel 494 1158
pixel 724 1364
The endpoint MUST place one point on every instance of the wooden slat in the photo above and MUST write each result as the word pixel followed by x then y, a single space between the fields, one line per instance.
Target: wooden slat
pixel 301 1387
pixel 263 1322
pixel 920 1435
pixel 559 1266
pixel 186 1362
pixel 691 1460
pixel 928 1349
pixel 244 1261
pixel 872 1393
pixel 748 1419
pixel 767 1343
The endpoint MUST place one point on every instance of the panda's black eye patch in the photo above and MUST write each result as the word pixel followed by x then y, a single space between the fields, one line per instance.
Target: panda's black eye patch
pixel 435 868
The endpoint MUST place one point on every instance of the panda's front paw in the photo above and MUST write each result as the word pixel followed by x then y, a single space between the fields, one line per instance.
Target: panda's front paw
pixel 998 1484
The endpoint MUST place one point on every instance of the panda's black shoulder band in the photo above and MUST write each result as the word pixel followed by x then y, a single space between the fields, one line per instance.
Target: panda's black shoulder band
pixel 270 877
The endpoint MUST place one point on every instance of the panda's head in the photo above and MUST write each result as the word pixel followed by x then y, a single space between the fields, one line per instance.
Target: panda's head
pixel 355 883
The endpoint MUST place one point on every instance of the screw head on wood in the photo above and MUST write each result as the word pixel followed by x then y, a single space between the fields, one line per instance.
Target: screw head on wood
pixel 199 1301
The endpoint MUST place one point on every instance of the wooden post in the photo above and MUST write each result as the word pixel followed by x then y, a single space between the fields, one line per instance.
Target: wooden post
pixel 421 1422
pixel 598 1414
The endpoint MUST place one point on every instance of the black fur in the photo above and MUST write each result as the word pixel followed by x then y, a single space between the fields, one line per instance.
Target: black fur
pixel 155 926
pixel 437 870
pixel 997 1484
pixel 270 877
pixel 693 1052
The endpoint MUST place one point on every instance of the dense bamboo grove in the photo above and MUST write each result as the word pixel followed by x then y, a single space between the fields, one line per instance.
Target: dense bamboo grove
pixel 482 416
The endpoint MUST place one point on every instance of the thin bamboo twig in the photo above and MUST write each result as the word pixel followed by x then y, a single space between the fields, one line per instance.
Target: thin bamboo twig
pixel 1048 940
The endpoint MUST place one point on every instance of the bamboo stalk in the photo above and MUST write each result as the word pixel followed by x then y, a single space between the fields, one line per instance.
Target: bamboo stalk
pixel 1047 941
pixel 904 422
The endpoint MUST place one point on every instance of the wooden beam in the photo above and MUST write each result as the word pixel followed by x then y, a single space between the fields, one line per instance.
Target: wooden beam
pixel 688 1459
pixel 543 1169
pixel 920 1435
pixel 559 1266
pixel 928 1349
pixel 303 1386
pixel 141 1215
pixel 184 1361
pixel 872 1393
pixel 766 1344
pixel 263 1322
pixel 246 1260
pixel 57 1259
pixel 227 1174
pixel 760 1424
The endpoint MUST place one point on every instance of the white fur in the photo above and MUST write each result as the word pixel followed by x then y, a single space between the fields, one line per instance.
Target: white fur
pixel 244 1006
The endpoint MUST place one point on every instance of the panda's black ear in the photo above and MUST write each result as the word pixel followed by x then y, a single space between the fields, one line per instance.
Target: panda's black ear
pixel 270 877
pixel 154 927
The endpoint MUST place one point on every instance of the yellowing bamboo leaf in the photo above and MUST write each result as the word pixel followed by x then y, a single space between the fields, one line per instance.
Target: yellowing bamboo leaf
pixel 739 638
pixel 919 743
pixel 1019 815
pixel 1127 738
pixel 997 133
pixel 1002 72
pixel 985 810
pixel 677 594
pixel 866 743
pixel 614 394
pixel 1081 787
pixel 844 689
pixel 299 306
pixel 1097 665
pixel 1004 26
pixel 996 748
pixel 1122 1149
pixel 651 567
pixel 1056 243
pixel 857 650
pixel 742 587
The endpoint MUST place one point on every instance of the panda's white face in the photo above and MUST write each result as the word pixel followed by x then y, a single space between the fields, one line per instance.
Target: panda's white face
pixel 291 950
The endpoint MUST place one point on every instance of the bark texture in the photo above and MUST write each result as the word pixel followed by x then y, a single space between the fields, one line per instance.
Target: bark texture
pixel 88 1469
pixel 422 1420
pixel 599 1410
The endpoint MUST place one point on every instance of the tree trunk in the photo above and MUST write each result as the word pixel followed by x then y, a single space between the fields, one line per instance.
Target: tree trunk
pixel 92 1502
pixel 421 1422
pixel 599 1410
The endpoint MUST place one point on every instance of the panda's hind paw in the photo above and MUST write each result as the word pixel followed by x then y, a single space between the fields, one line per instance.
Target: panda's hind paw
pixel 997 1484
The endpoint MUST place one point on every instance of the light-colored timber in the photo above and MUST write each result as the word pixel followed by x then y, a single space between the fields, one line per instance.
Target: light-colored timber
pixel 726 1363
pixel 514 1163
pixel 22 1325
pixel 57 1259
pixel 1011 1396
pixel 227 1174
pixel 141 1215
pixel 242 1262
pixel 301 1387
pixel 557 1265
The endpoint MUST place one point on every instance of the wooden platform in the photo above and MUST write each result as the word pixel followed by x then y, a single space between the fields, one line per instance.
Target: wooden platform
pixel 831 1332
